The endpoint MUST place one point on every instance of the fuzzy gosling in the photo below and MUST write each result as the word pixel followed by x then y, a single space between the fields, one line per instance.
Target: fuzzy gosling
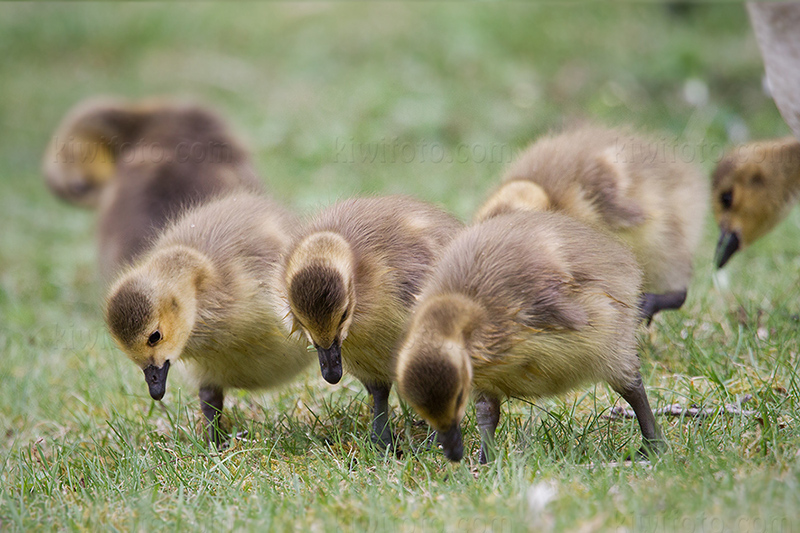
pixel 141 163
pixel 623 183
pixel 206 295
pixel 522 305
pixel 754 188
pixel 350 281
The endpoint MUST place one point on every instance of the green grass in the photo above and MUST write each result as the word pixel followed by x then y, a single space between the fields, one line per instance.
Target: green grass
pixel 83 447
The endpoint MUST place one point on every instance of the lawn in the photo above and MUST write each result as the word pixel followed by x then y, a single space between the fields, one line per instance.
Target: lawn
pixel 430 99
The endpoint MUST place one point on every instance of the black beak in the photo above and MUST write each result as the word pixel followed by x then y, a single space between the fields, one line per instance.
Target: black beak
pixel 156 379
pixel 330 362
pixel 727 245
pixel 451 443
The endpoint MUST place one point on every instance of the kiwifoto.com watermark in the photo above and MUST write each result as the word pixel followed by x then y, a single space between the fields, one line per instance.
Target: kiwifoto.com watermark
pixel 396 150
pixel 670 150
pixel 113 150
pixel 623 150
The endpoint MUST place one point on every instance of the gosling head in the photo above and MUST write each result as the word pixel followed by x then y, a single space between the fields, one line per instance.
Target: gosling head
pixel 81 158
pixel 751 193
pixel 78 168
pixel 514 195
pixel 434 367
pixel 151 312
pixel 320 278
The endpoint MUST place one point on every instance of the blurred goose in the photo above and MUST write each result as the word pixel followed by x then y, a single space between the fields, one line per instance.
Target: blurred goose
pixel 629 185
pixel 754 188
pixel 206 295
pixel 350 281
pixel 141 163
pixel 522 305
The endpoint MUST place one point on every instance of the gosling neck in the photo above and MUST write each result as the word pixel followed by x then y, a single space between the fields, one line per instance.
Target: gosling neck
pixel 183 269
pixel 515 195
pixel 455 318
pixel 323 249
pixel 113 124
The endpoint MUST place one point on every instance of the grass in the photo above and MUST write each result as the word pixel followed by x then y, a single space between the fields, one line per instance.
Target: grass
pixel 450 91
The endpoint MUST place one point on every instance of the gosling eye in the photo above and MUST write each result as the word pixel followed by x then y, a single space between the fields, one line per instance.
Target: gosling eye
pixel 344 317
pixel 79 188
pixel 757 179
pixel 154 338
pixel 459 397
pixel 726 199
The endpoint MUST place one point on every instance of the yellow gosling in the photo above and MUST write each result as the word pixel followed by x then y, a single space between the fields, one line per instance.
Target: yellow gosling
pixel 207 295
pixel 626 184
pixel 350 281
pixel 522 305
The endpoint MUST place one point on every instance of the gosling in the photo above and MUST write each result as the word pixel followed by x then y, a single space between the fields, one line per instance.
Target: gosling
pixel 522 305
pixel 631 186
pixel 206 294
pixel 350 281
pixel 142 163
pixel 754 188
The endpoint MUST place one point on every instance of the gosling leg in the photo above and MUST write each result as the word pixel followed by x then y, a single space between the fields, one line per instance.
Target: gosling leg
pixel 381 432
pixel 211 400
pixel 487 411
pixel 650 304
pixel 635 395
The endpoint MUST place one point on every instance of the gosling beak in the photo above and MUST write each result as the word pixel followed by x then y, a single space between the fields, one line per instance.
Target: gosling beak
pixel 451 443
pixel 156 379
pixel 330 362
pixel 727 245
